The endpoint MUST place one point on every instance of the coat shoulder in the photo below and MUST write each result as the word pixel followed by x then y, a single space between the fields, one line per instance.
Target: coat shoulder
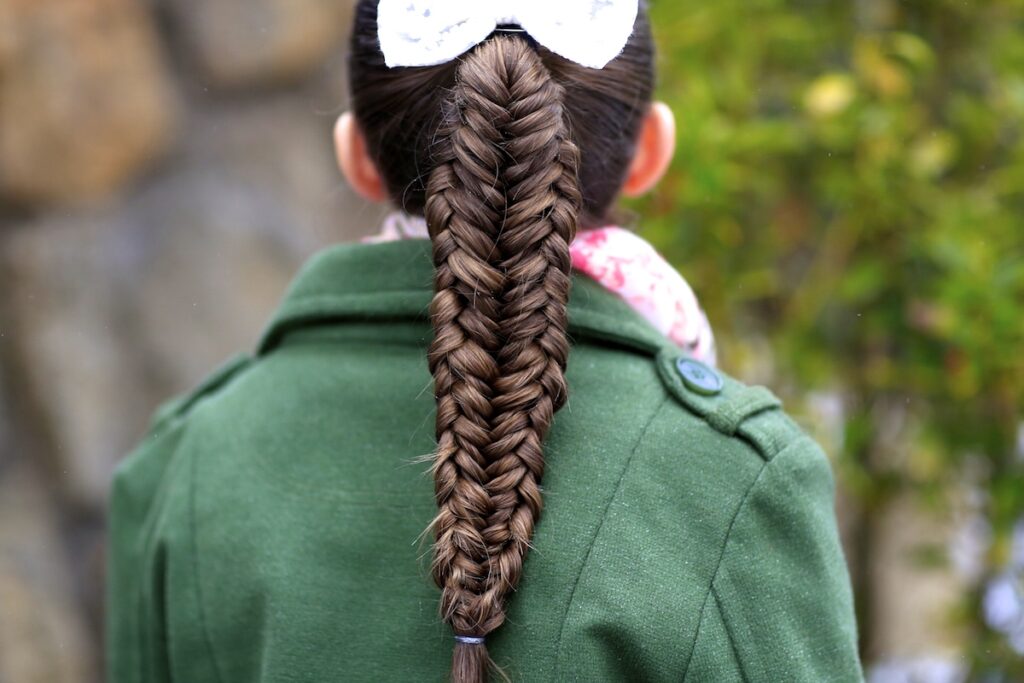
pixel 215 381
pixel 141 471
pixel 752 416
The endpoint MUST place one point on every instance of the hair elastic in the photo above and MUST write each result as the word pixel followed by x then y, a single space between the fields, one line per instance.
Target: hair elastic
pixel 470 640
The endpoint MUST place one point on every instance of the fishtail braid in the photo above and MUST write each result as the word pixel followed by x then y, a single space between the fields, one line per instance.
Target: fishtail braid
pixel 463 210
pixel 502 205
pixel 543 205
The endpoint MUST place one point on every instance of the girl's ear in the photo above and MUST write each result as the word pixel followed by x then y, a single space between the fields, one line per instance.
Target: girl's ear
pixel 355 162
pixel 654 151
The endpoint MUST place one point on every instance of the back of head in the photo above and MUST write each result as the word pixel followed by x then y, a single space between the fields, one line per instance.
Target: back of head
pixel 505 151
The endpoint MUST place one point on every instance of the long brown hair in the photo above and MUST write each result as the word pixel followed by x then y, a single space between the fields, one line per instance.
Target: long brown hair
pixel 505 151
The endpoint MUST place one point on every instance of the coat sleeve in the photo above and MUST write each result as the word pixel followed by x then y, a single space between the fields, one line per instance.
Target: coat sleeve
pixel 135 618
pixel 780 605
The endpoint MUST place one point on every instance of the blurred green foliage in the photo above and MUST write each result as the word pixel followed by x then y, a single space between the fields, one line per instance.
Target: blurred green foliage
pixel 849 185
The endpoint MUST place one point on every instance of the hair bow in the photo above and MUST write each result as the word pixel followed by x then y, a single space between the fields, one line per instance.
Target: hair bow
pixel 428 32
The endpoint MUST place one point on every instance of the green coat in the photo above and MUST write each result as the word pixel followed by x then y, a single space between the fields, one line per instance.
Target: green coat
pixel 268 529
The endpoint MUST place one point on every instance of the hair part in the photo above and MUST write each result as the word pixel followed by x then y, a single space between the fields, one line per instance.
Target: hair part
pixel 504 152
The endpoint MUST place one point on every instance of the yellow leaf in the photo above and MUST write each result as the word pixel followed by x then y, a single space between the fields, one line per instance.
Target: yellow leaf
pixel 829 95
pixel 932 155
pixel 878 71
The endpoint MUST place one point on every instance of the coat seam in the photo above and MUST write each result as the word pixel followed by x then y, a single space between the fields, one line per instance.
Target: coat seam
pixel 193 546
pixel 718 567
pixel 604 516
pixel 729 635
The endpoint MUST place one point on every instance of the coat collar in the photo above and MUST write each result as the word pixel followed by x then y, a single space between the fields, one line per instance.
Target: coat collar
pixel 394 281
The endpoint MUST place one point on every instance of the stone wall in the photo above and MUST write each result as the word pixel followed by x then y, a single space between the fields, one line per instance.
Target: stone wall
pixel 165 167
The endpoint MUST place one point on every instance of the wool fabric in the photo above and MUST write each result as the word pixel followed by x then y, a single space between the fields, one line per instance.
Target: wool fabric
pixel 269 528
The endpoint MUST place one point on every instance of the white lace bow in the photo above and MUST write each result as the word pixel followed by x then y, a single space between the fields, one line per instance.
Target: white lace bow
pixel 428 32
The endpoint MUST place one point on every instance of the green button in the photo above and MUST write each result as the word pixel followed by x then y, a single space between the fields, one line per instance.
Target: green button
pixel 699 378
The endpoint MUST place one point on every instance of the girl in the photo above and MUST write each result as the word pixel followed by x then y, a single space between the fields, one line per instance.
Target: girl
pixel 266 529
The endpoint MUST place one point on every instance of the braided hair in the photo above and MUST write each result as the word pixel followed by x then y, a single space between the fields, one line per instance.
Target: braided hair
pixel 505 152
